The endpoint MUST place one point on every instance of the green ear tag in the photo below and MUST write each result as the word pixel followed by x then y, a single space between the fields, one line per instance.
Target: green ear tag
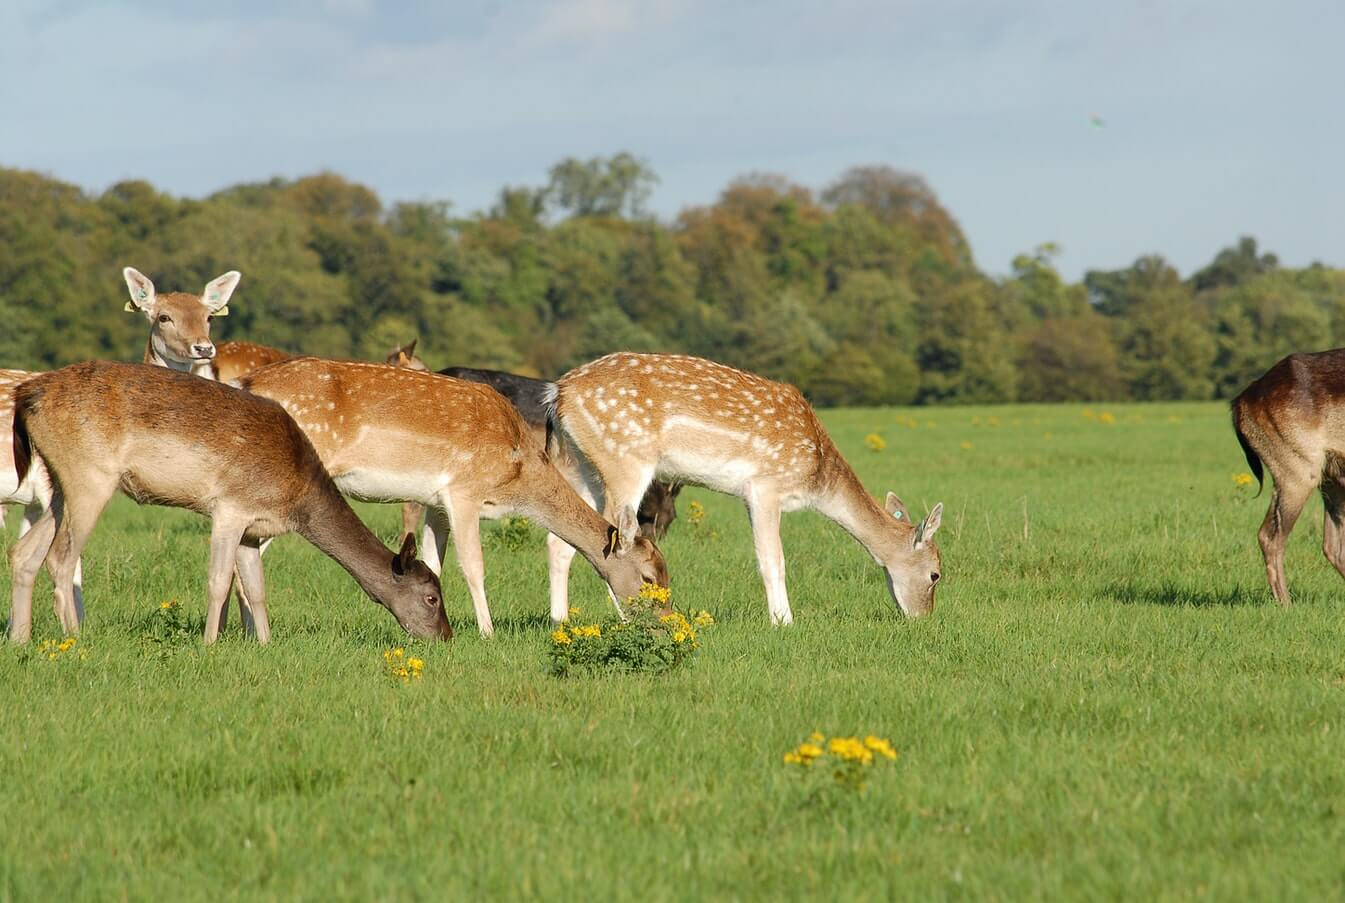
pixel 143 294
pixel 897 515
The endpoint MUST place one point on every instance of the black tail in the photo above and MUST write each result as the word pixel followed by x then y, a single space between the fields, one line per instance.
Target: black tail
pixel 23 446
pixel 1253 459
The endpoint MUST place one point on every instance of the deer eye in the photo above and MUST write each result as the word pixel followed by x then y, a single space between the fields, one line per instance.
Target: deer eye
pixel 934 577
pixel 431 601
pixel 164 318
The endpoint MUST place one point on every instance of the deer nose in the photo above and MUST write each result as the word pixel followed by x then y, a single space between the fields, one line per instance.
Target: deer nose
pixel 203 351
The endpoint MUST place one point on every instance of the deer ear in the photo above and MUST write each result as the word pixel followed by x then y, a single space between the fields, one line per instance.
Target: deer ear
pixel 895 507
pixel 410 348
pixel 613 542
pixel 218 290
pixel 141 289
pixel 406 556
pixel 925 532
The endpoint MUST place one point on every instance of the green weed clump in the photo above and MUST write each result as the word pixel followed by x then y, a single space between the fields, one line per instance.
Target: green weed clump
pixel 651 638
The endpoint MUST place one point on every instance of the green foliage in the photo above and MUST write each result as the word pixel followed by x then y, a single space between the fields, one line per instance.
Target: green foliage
pixel 648 638
pixel 863 294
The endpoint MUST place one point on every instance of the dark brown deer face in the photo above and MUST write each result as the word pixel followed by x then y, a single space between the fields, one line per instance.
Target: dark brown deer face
pixel 417 602
pixel 658 509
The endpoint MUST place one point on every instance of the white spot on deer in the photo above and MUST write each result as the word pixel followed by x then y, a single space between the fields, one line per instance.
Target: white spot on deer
pixel 331 406
pixel 609 443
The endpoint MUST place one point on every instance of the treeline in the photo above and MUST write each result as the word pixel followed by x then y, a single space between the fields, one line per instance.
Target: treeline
pixel 864 293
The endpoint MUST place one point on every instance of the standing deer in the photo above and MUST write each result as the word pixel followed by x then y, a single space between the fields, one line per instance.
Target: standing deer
pixel 103 427
pixel 459 448
pixel 632 418
pixel 179 336
pixel 1292 420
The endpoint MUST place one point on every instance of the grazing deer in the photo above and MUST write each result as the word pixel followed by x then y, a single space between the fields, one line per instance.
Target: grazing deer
pixel 1292 421
pixel 634 417
pixel 459 448
pixel 658 508
pixel 103 427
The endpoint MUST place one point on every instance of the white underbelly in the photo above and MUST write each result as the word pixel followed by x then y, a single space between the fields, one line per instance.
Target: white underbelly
pixel 731 475
pixel 372 485
pixel 26 492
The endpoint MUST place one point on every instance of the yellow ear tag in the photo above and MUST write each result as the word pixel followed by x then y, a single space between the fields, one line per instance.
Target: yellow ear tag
pixel 222 312
pixel 613 540
pixel 130 307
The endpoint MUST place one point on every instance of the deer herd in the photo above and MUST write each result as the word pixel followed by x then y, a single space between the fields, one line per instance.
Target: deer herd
pixel 264 443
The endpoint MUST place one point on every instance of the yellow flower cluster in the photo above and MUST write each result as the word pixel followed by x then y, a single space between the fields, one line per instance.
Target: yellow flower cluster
pixel 681 629
pixel 703 618
pixel 565 634
pixel 1243 479
pixel 401 667
pixel 53 650
pixel 652 592
pixel 560 636
pixel 875 442
pixel 170 603
pixel 844 749
pixel 695 513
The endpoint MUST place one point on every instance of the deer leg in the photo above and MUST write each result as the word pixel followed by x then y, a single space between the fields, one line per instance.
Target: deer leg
pixel 25 560
pixel 764 511
pixel 465 521
pixel 411 512
pixel 434 540
pixel 31 513
pixel 252 587
pixel 75 520
pixel 224 540
pixel 559 555
pixel 1285 506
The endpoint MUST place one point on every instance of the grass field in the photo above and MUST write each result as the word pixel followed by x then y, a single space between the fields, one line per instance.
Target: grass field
pixel 1103 704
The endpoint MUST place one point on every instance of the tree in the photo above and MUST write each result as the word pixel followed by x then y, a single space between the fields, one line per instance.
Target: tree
pixel 599 186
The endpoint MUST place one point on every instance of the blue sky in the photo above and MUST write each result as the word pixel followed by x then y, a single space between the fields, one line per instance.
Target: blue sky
pixel 1222 118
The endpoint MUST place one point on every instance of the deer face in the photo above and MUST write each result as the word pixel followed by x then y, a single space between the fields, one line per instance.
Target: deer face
pixel 404 356
pixel 416 601
pixel 180 321
pixel 658 509
pixel 632 560
pixel 912 564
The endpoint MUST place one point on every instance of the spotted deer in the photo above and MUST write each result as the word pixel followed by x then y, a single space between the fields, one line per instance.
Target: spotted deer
pixel 657 508
pixel 632 418
pixel 103 427
pixel 459 448
pixel 1291 421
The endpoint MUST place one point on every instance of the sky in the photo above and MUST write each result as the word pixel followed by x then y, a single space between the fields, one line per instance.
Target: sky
pixel 1219 119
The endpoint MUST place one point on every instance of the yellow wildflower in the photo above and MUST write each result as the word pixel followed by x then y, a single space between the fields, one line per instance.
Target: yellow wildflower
pixel 704 618
pixel 809 750
pixel 881 746
pixel 560 637
pixel 850 749
pixel 1106 417
pixel 816 737
pixel 1243 479
pixel 695 512
pixel 793 758
pixel 875 442
pixel 170 603
pixel 415 664
pixel 652 592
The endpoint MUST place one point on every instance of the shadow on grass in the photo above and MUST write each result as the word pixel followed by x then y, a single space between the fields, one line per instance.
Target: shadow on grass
pixel 1174 594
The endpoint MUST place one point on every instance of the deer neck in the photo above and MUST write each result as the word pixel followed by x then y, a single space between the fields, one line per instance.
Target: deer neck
pixel 848 503
pixel 195 368
pixel 553 504
pixel 328 522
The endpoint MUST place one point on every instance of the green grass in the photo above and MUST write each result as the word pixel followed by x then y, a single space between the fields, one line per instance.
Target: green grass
pixel 1103 704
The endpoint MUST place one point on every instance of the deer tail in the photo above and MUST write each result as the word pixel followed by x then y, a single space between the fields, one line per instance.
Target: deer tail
pixel 23 445
pixel 1253 459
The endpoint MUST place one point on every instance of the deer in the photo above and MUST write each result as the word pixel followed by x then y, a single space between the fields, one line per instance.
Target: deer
pixel 179 336
pixel 631 418
pixel 103 427
pixel 657 509
pixel 1291 421
pixel 460 449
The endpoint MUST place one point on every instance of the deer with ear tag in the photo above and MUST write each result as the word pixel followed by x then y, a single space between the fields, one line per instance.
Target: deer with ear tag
pixel 179 336
pixel 633 418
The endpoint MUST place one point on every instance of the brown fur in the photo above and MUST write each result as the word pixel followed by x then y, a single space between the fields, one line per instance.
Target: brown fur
pixel 234 360
pixel 169 438
pixel 458 447
pixel 1292 421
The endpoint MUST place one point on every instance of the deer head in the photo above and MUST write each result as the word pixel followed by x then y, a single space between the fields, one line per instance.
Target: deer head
pixel 417 601
pixel 629 559
pixel 912 560
pixel 404 356
pixel 180 321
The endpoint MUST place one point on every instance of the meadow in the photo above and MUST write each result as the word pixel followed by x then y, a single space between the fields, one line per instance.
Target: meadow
pixel 1105 703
